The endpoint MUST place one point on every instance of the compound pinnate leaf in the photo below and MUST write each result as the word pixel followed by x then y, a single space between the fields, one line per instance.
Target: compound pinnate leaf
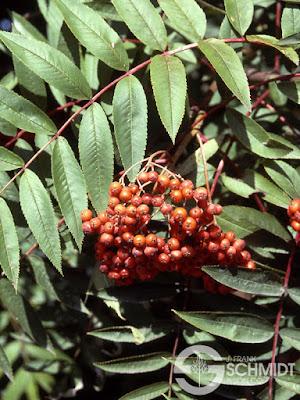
pixel 238 327
pixel 94 33
pixel 168 81
pixel 69 186
pixel 186 16
pixel 294 294
pixel 240 14
pixel 130 122
pixel 229 67
pixel 24 114
pixel 23 312
pixel 48 63
pixel 9 160
pixel 9 244
pixel 148 392
pixel 96 155
pixel 248 281
pixel 39 213
pixel 144 22
pixel 136 364
pixel 5 364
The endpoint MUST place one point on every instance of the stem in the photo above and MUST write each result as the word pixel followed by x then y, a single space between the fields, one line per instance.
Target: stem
pixel 277 33
pixel 221 166
pixel 285 287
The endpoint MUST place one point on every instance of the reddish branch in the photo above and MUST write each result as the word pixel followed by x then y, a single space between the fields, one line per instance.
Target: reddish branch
pixel 277 33
pixel 277 323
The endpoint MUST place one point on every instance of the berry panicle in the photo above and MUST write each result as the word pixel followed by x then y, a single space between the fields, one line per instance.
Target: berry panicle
pixel 129 247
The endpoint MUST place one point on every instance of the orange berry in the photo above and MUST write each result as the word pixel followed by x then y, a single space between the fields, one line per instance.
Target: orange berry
pixel 174 184
pixel 143 177
pixel 95 223
pixel 86 215
pixel 176 196
pixel 125 195
pixel 294 206
pixel 139 241
pixel 296 226
pixel 187 193
pixel 115 188
pixel 163 180
pixel 189 224
pixel 180 214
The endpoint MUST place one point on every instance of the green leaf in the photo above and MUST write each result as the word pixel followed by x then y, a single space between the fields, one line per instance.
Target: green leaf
pixel 41 274
pixel 280 393
pixel 255 138
pixel 136 364
pixel 294 294
pixel 48 63
pixel 238 327
pixel 291 40
pixel 70 187
pixel 248 281
pixel 231 222
pixel 229 67
pixel 290 21
pixel 168 80
pixel 271 193
pixel 271 41
pixel 9 80
pixel 240 14
pixel 39 213
pixel 144 22
pixel 147 392
pixel 257 218
pixel 130 334
pixel 5 364
pixel 130 122
pixel 94 33
pixel 24 114
pixel 290 382
pixel 186 16
pixel 23 312
pixel 237 186
pixel 96 155
pixel 9 245
pixel 284 175
pixel 9 161
pixel 24 27
pixel 31 85
pixel 291 90
pixel 291 336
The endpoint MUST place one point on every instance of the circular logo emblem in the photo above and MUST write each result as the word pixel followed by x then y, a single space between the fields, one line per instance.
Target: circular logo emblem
pixel 195 362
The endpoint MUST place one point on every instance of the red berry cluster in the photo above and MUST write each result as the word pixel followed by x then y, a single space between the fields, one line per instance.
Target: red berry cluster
pixel 294 214
pixel 130 245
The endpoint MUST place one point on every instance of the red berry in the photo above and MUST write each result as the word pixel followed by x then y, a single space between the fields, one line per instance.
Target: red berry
pixel 176 196
pixel 174 184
